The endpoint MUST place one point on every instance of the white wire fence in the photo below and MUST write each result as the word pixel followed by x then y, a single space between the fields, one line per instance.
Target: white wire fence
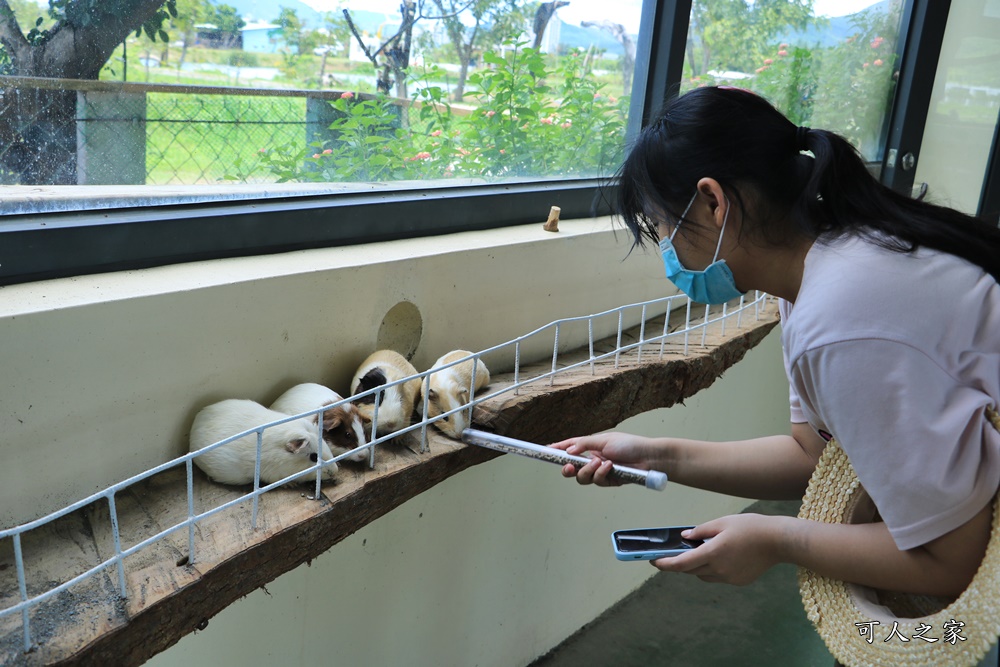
pixel 687 333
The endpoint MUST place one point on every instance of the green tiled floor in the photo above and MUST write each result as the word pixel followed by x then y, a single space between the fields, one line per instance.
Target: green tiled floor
pixel 677 619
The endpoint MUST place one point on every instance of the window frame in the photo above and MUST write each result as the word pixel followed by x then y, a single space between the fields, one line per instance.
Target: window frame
pixel 37 246
pixel 921 35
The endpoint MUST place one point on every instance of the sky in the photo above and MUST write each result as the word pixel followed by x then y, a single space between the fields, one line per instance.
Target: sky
pixel 625 12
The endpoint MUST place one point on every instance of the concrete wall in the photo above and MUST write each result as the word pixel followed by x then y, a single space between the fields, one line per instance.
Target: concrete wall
pixel 493 567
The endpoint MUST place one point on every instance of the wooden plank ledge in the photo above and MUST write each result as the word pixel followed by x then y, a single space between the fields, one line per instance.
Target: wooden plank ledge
pixel 170 596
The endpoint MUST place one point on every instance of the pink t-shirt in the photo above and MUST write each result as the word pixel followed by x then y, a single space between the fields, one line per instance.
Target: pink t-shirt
pixel 897 356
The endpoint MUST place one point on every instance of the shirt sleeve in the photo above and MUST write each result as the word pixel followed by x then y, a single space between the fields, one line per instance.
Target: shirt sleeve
pixel 918 440
pixel 794 404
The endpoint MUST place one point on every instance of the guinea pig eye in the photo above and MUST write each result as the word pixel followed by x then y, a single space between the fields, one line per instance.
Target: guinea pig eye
pixel 446 419
pixel 313 457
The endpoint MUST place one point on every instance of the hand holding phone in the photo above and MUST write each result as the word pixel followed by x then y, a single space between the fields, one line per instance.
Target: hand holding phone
pixel 651 543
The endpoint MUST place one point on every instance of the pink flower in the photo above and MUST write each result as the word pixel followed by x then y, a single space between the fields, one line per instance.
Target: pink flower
pixel 865 66
pixel 768 61
pixel 464 151
pixel 328 151
pixel 316 155
pixel 783 46
pixel 346 96
pixel 782 53
pixel 566 125
pixel 422 155
pixel 436 133
pixel 878 62
pixel 761 69
pixel 877 42
pixel 612 99
pixel 503 152
pixel 490 113
pixel 547 121
pixel 597 96
pixel 262 150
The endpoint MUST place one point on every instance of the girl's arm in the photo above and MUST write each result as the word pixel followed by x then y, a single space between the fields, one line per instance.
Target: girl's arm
pixel 774 467
pixel 743 546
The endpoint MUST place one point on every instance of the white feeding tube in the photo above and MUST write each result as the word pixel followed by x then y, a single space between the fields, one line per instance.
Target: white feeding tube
pixel 651 479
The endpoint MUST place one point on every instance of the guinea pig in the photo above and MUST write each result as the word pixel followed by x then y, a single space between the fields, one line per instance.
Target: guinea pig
pixel 448 389
pixel 343 428
pixel 285 449
pixel 395 407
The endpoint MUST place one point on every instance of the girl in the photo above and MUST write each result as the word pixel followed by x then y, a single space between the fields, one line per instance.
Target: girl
pixel 891 333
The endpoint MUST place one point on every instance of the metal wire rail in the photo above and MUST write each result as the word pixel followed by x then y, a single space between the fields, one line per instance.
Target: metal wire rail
pixel 669 305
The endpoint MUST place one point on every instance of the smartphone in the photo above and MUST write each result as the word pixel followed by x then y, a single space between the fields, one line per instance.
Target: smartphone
pixel 651 543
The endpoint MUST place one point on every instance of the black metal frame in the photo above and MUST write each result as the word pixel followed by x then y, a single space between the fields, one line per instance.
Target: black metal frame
pixel 989 200
pixel 34 247
pixel 659 61
pixel 921 35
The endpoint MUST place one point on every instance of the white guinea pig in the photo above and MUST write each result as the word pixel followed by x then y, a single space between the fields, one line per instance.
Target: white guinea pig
pixel 343 429
pixel 395 407
pixel 285 448
pixel 448 389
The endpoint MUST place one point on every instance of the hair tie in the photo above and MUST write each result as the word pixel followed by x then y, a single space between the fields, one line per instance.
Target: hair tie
pixel 800 138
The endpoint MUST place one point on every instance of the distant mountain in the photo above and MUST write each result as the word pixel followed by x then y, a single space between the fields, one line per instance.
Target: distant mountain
pixel 269 10
pixel 838 29
pixel 574 36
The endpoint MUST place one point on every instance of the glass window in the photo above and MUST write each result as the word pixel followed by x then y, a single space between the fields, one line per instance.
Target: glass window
pixel 317 96
pixel 965 104
pixel 829 64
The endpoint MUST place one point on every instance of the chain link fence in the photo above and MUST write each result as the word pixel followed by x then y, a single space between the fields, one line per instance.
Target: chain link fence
pixel 69 132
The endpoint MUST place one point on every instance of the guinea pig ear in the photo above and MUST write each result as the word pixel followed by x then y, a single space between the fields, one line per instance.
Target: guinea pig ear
pixel 332 419
pixel 432 395
pixel 295 446
pixel 463 395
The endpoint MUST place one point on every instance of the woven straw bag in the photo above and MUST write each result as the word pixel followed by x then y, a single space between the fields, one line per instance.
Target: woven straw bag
pixel 857 623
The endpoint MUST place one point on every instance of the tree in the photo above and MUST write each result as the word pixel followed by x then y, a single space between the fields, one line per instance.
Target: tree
pixel 291 33
pixel 189 14
pixel 228 23
pixel 621 35
pixel 38 127
pixel 735 34
pixel 392 58
pixel 493 22
pixel 330 38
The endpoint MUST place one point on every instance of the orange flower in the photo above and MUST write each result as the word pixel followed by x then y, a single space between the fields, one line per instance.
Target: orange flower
pixel 878 62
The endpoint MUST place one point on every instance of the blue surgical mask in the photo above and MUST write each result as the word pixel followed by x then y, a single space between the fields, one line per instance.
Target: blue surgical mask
pixel 715 284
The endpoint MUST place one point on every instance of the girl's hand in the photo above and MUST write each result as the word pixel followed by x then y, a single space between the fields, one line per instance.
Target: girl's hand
pixel 605 449
pixel 742 547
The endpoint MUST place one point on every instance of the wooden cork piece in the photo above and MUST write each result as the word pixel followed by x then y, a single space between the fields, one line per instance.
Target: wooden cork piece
pixel 552 224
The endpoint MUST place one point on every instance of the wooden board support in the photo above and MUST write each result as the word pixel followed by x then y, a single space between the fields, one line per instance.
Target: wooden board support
pixel 169 595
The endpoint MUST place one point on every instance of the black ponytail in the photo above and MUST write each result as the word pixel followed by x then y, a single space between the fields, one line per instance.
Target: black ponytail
pixel 786 195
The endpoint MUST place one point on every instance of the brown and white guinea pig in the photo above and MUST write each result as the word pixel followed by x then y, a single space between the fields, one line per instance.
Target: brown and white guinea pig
pixel 343 427
pixel 285 449
pixel 395 407
pixel 448 389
